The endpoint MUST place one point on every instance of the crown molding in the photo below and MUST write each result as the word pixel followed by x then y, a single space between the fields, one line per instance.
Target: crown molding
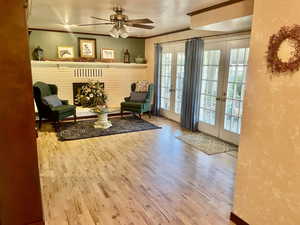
pixel 74 32
pixel 170 32
pixel 146 37
pixel 30 29
pixel 217 6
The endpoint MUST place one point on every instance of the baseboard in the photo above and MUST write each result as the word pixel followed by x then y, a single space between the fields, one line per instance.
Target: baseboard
pixel 237 220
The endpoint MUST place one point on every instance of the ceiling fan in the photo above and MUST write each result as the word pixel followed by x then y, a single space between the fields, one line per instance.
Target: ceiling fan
pixel 119 22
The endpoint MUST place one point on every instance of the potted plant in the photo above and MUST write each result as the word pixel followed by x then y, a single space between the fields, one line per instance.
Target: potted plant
pixel 93 96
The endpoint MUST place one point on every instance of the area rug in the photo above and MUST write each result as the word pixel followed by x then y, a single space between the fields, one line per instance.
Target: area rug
pixel 207 144
pixel 85 129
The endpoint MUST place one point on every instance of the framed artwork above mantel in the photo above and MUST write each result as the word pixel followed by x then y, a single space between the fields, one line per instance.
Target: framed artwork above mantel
pixel 87 48
pixel 107 55
pixel 65 52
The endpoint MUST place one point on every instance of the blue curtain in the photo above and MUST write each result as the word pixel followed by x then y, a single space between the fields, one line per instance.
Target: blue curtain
pixel 190 108
pixel 157 71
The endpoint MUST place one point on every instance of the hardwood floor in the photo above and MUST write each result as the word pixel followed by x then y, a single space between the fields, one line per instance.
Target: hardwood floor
pixel 142 178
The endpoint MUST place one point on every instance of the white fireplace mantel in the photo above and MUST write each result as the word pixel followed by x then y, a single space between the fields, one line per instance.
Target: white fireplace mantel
pixel 85 64
pixel 117 77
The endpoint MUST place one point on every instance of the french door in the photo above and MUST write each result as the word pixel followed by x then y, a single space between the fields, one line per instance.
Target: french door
pixel 172 74
pixel 223 81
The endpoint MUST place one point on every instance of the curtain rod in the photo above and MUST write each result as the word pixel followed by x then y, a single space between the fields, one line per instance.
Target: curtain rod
pixel 207 36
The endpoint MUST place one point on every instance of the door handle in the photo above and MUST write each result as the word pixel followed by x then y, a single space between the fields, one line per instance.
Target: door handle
pixel 223 99
pixel 171 90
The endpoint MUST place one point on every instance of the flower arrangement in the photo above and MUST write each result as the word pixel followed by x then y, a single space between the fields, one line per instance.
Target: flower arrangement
pixel 93 95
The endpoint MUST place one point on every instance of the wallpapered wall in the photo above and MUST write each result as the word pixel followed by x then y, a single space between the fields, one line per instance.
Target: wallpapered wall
pixel 268 171
pixel 49 41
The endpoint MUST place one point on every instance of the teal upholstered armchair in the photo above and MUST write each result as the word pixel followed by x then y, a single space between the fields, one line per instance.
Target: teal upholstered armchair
pixel 47 111
pixel 138 107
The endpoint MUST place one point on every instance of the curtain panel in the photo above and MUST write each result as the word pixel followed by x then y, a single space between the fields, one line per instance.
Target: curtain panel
pixel 190 110
pixel 157 73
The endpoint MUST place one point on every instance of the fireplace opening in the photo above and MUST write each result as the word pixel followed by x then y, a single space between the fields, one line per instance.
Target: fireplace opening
pixel 77 91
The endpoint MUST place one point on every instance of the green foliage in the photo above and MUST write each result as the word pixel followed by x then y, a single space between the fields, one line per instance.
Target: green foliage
pixel 92 95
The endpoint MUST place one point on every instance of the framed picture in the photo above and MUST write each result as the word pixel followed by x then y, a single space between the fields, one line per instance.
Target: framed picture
pixel 107 55
pixel 87 48
pixel 65 52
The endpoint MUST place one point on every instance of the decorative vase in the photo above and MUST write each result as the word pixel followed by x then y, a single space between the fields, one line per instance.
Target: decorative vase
pixel 139 60
pixel 126 56
pixel 38 54
pixel 102 122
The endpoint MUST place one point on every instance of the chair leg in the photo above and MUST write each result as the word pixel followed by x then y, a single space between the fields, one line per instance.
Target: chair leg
pixel 58 126
pixel 40 122
pixel 149 113
pixel 75 118
pixel 55 126
pixel 140 115
pixel 121 112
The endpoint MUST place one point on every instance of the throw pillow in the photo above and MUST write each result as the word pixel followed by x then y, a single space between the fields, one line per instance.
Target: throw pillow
pixel 138 96
pixel 142 86
pixel 52 100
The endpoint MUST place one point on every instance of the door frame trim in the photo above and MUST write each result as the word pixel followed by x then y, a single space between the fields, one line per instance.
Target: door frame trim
pixel 237 220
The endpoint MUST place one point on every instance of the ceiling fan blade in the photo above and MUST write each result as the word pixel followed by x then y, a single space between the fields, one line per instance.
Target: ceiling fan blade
pixel 97 18
pixel 146 20
pixel 93 24
pixel 139 25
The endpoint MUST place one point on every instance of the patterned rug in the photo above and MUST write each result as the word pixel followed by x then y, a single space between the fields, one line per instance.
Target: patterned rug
pixel 85 129
pixel 207 144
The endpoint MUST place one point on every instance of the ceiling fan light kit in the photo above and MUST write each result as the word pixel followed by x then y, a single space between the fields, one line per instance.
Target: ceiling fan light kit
pixel 114 32
pixel 119 22
pixel 124 32
pixel 119 31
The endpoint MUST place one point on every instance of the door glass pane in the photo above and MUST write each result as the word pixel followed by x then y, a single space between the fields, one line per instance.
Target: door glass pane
pixel 166 69
pixel 179 81
pixel 209 86
pixel 236 89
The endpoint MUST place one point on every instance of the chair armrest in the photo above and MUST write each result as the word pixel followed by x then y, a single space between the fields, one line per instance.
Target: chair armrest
pixel 65 102
pixel 127 99
pixel 147 100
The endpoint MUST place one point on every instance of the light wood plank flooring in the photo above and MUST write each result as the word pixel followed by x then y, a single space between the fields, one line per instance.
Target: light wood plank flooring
pixel 141 178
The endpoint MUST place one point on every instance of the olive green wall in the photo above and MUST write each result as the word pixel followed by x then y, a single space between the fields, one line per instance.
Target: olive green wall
pixel 49 41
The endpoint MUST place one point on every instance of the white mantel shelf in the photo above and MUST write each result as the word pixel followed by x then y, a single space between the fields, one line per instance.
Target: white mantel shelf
pixel 85 64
